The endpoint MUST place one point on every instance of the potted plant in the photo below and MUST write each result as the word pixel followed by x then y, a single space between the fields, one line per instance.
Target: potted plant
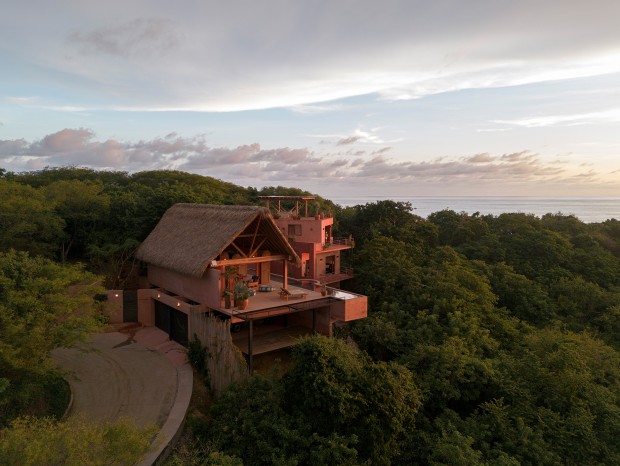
pixel 242 295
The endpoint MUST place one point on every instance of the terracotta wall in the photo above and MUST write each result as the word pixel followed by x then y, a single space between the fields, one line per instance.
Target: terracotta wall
pixel 146 307
pixel 203 290
pixel 347 310
pixel 113 307
pixel 312 231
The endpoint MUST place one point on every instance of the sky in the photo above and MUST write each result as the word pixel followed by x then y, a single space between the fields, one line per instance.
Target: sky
pixel 341 98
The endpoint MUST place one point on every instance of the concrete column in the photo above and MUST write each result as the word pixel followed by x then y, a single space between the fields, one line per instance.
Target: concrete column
pixel 250 355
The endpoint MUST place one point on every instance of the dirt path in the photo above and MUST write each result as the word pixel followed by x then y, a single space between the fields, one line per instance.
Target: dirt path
pixel 113 376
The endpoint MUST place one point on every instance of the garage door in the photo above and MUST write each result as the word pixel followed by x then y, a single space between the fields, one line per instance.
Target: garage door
pixel 171 321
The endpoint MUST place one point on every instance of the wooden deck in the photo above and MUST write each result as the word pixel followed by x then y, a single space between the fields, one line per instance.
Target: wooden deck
pixel 270 339
pixel 272 301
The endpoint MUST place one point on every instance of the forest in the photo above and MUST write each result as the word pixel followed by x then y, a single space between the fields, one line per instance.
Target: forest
pixel 490 340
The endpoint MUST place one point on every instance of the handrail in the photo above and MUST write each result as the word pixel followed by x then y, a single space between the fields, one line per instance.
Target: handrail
pixel 343 241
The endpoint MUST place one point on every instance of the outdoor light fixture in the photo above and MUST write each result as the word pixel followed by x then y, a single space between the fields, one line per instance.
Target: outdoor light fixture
pixel 116 295
pixel 178 304
pixel 158 296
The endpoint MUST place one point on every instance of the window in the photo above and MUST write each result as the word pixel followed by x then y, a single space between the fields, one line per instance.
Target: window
pixel 294 230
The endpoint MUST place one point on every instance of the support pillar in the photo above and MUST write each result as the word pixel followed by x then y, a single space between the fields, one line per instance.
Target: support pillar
pixel 285 274
pixel 250 355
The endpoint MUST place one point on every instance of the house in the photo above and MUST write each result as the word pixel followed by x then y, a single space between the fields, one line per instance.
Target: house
pixel 312 238
pixel 197 252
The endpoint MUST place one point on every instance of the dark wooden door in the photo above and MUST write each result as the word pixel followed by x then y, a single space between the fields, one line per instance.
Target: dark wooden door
pixel 162 317
pixel 130 305
pixel 178 327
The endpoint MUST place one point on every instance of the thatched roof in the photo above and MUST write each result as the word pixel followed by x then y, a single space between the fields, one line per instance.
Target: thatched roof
pixel 189 236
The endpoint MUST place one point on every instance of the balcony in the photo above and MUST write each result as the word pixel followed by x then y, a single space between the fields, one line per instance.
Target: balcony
pixel 350 242
pixel 345 274
pixel 269 304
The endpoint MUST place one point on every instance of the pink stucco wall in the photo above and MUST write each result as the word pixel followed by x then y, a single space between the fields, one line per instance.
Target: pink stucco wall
pixel 146 307
pixel 113 307
pixel 203 290
pixel 312 231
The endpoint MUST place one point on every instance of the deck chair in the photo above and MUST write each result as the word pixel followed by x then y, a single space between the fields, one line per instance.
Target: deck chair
pixel 286 295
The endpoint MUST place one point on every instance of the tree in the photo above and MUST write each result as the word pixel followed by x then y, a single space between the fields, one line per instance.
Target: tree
pixel 339 390
pixel 249 421
pixel 27 221
pixel 82 206
pixel 36 441
pixel 387 270
pixel 456 229
pixel 43 305
pixel 390 219
pixel 566 388
pixel 524 298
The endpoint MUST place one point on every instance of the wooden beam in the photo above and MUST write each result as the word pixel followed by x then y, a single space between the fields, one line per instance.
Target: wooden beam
pixel 247 235
pixel 258 247
pixel 254 237
pixel 248 260
pixel 238 249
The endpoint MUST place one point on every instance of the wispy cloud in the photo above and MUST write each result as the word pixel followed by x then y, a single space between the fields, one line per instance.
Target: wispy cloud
pixel 219 57
pixel 137 37
pixel 609 116
pixel 367 137
pixel 348 140
pixel 316 108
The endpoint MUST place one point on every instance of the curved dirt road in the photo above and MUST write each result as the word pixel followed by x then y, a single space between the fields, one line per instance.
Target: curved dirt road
pixel 113 376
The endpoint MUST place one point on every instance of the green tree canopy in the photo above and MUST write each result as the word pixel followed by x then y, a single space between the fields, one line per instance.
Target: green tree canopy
pixel 27 221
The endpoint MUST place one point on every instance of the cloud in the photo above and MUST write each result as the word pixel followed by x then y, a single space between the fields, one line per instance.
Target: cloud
pixel 216 56
pixel 316 108
pixel 609 116
pixel 383 150
pixel 348 140
pixel 12 148
pixel 522 156
pixel 257 166
pixel 361 136
pixel 67 140
pixel 137 37
pixel 480 158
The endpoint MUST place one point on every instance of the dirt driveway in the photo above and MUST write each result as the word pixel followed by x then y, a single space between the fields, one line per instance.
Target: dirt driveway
pixel 114 375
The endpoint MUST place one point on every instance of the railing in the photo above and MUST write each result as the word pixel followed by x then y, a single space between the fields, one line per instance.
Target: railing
pixel 343 241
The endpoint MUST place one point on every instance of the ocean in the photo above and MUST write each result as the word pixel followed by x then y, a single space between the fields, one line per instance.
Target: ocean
pixel 586 209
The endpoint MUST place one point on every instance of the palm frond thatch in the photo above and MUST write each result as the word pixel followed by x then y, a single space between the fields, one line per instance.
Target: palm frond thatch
pixel 189 236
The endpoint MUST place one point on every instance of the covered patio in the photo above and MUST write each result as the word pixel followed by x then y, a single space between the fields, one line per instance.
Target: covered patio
pixel 269 323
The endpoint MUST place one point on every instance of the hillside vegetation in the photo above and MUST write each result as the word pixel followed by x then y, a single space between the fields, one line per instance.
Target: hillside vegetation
pixel 490 340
